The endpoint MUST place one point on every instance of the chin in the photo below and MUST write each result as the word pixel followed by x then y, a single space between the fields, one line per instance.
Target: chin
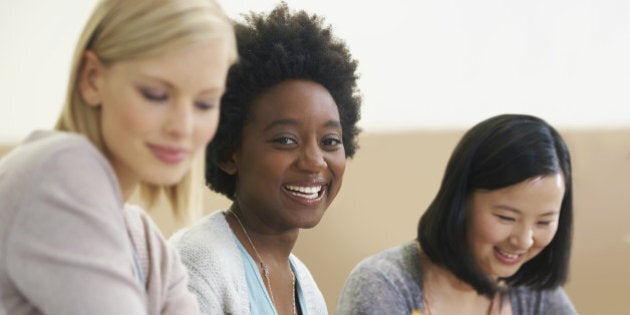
pixel 164 180
pixel 505 274
pixel 309 223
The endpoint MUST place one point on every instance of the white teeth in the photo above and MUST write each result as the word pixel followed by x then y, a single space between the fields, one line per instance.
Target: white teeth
pixel 308 192
pixel 508 255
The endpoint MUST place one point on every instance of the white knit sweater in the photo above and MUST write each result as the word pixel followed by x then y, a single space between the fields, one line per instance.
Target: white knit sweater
pixel 217 274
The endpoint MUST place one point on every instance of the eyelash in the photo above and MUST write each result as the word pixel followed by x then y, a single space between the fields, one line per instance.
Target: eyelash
pixel 504 218
pixel 510 219
pixel 336 141
pixel 284 140
pixel 155 97
pixel 326 142
pixel 205 106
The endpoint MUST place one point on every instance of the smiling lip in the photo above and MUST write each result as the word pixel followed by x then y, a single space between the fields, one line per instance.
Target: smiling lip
pixel 507 257
pixel 308 194
pixel 167 154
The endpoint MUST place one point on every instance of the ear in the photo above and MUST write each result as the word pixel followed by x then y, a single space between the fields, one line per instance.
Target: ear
pixel 90 76
pixel 229 165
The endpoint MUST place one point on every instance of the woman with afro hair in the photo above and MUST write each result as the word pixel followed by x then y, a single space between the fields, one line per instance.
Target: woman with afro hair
pixel 287 126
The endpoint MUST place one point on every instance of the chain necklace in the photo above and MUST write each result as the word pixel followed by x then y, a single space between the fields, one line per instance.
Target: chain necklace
pixel 265 268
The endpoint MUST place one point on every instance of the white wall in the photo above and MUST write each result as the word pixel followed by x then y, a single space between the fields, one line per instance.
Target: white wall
pixel 423 64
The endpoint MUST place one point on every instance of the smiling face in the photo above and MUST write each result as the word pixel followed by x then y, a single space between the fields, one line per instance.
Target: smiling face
pixel 291 161
pixel 158 112
pixel 509 226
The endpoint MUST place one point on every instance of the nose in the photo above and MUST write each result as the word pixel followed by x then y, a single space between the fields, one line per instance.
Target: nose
pixel 312 158
pixel 522 237
pixel 179 122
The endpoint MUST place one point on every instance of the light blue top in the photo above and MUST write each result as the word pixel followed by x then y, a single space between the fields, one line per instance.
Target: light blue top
pixel 259 299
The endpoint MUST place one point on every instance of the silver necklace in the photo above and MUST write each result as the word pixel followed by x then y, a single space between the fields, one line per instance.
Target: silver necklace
pixel 265 269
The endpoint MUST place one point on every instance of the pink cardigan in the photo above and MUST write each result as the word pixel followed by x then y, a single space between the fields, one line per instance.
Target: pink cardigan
pixel 67 243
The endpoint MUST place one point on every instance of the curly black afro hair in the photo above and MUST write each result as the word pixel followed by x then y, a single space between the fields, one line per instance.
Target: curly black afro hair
pixel 274 48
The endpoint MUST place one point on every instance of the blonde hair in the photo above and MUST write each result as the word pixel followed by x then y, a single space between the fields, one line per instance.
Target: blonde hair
pixel 124 29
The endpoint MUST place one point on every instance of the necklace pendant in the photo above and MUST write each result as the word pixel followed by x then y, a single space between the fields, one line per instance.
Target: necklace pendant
pixel 264 269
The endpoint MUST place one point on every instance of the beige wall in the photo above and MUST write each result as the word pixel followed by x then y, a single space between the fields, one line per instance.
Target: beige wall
pixel 394 176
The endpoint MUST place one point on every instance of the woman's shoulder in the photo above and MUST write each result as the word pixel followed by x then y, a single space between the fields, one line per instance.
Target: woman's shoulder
pixel 60 164
pixel 396 267
pixel 57 152
pixel 41 145
pixel 49 142
pixel 389 282
pixel 395 260
pixel 210 226
pixel 205 240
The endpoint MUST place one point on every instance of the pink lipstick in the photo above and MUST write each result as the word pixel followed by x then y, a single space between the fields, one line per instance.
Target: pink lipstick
pixel 169 155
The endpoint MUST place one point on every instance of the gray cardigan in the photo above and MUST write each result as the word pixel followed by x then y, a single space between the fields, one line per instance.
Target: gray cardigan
pixel 67 240
pixel 217 274
pixel 390 283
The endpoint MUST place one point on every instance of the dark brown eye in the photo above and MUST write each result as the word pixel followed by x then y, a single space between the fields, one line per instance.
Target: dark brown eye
pixel 285 140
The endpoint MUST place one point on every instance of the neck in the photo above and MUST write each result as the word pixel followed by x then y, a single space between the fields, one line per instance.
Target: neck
pixel 435 276
pixel 273 246
pixel 444 292
pixel 271 252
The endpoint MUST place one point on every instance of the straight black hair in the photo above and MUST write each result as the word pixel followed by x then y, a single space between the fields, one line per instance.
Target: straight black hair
pixel 498 152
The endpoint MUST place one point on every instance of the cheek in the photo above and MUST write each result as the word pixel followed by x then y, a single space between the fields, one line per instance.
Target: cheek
pixel 138 120
pixel 485 231
pixel 337 164
pixel 545 237
pixel 123 122
pixel 260 166
pixel 122 112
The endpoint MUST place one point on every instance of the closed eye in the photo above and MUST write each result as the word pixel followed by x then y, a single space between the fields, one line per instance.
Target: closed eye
pixel 154 95
pixel 544 223
pixel 505 218
pixel 205 106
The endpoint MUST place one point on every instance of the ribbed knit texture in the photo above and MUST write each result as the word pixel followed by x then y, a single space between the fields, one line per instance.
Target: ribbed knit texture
pixel 216 271
pixel 390 283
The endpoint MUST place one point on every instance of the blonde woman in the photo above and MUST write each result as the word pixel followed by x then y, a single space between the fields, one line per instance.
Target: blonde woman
pixel 142 103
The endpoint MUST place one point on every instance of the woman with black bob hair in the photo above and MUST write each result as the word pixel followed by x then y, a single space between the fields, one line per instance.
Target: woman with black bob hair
pixel 287 125
pixel 495 240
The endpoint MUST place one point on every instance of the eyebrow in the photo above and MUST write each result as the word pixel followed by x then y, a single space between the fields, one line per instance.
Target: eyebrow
pixel 512 209
pixel 294 122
